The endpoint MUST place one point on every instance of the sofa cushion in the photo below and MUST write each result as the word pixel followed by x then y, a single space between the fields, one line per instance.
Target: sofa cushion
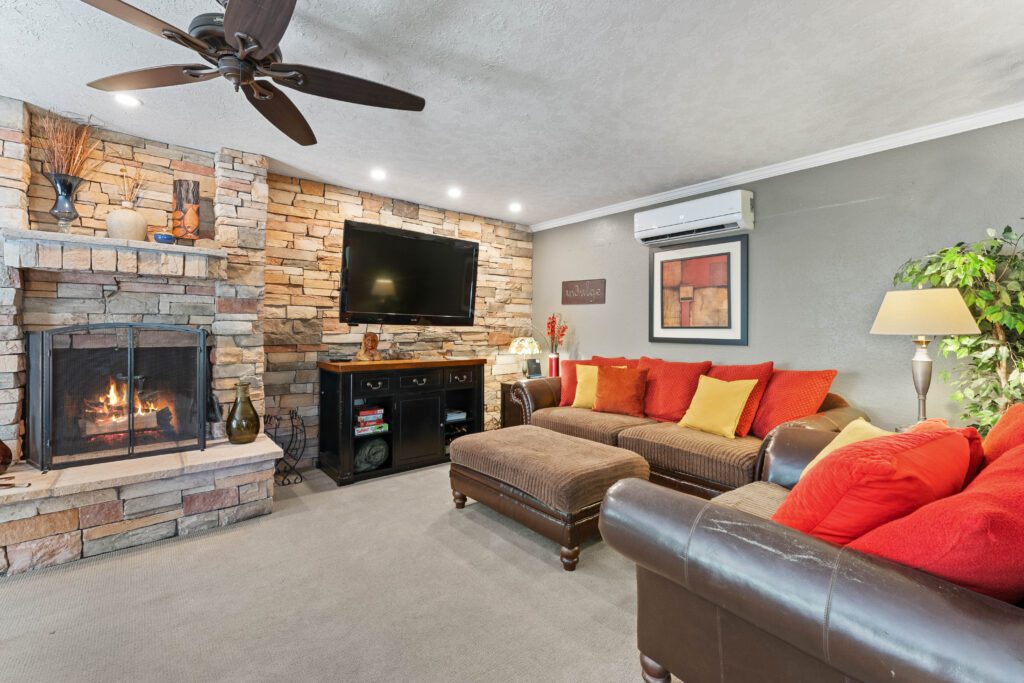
pixel 727 462
pixel 621 390
pixel 1007 433
pixel 586 424
pixel 760 499
pixel 567 372
pixel 717 406
pixel 563 472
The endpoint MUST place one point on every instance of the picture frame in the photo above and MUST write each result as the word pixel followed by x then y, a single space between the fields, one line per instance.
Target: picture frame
pixel 698 293
pixel 532 368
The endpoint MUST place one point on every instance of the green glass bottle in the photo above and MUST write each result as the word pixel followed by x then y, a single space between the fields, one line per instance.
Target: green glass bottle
pixel 243 422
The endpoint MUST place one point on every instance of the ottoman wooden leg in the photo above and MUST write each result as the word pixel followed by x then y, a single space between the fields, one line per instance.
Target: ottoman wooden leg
pixel 459 498
pixel 652 671
pixel 570 558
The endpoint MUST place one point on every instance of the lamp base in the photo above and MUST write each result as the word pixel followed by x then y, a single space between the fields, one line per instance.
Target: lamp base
pixel 921 367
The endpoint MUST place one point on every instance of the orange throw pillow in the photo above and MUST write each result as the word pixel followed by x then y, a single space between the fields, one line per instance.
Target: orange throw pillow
pixel 1008 433
pixel 791 395
pixel 621 390
pixel 567 374
pixel 937 424
pixel 670 387
pixel 762 372
pixel 864 485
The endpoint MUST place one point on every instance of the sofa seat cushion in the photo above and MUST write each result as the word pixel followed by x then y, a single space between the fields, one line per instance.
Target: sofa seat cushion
pixel 727 462
pixel 760 499
pixel 587 424
pixel 563 472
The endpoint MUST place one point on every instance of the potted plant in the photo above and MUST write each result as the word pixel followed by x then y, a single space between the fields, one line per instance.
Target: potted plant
pixel 127 223
pixel 556 335
pixel 66 147
pixel 989 377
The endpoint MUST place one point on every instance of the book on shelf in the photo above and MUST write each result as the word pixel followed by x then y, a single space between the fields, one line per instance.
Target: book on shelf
pixel 371 423
pixel 455 415
pixel 375 417
pixel 372 429
pixel 370 410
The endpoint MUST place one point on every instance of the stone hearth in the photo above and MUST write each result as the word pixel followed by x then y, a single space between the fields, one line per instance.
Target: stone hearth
pixel 79 512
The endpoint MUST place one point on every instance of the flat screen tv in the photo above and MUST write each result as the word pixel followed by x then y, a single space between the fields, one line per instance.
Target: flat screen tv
pixel 401 277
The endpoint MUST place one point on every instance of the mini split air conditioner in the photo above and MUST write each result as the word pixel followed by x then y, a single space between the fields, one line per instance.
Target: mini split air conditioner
pixel 721 215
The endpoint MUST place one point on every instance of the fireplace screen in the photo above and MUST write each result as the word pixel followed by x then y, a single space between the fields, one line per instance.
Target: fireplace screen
pixel 112 391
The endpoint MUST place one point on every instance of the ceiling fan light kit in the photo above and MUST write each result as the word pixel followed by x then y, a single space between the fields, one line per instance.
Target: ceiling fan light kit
pixel 242 46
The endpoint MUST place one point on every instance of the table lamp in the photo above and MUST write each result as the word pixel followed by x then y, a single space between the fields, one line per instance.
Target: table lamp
pixel 524 346
pixel 922 314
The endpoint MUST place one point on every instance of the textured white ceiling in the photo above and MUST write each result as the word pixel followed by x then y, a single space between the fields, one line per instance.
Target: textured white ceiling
pixel 564 106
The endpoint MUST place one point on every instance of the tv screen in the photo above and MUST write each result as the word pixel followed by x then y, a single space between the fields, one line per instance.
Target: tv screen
pixel 406 278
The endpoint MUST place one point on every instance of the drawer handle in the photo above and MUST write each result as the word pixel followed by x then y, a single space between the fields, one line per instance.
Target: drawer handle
pixel 419 381
pixel 460 378
pixel 375 386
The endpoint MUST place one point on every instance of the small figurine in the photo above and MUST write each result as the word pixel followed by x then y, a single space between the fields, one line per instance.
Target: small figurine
pixel 368 351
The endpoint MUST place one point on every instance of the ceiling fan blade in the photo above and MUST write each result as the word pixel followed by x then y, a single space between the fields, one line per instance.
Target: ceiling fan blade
pixel 265 21
pixel 157 77
pixel 281 112
pixel 147 22
pixel 336 86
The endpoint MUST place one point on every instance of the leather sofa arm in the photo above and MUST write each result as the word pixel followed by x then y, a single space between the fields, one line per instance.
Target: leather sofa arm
pixel 871 619
pixel 788 448
pixel 534 394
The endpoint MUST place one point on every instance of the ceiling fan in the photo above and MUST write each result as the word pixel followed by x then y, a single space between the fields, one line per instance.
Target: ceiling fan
pixel 242 46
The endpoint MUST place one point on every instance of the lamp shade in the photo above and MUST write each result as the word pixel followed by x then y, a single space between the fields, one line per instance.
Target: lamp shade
pixel 524 346
pixel 924 313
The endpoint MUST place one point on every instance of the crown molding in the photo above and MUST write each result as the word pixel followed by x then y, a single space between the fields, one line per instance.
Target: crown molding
pixel 934 131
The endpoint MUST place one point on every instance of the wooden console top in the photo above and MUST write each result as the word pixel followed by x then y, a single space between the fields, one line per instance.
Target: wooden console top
pixel 409 364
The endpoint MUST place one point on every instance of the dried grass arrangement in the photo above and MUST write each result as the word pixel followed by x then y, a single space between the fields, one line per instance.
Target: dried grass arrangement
pixel 67 145
pixel 130 184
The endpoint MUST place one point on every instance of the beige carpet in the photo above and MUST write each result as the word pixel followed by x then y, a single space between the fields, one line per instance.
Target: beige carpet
pixel 380 581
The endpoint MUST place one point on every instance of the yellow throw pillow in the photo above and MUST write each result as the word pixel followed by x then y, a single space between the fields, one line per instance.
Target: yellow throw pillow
pixel 717 406
pixel 586 386
pixel 858 430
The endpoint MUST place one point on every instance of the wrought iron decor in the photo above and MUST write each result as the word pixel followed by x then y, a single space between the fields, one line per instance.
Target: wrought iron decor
pixel 286 471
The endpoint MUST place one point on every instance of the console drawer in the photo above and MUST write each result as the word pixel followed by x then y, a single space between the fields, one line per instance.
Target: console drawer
pixel 461 377
pixel 373 385
pixel 423 379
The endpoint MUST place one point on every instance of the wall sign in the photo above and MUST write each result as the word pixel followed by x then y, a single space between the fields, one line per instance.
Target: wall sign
pixel 583 292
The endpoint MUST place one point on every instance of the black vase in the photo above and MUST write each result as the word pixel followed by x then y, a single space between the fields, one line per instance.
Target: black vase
pixel 64 207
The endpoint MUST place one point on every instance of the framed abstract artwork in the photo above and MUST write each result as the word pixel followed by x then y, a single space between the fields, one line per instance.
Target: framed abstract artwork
pixel 699 293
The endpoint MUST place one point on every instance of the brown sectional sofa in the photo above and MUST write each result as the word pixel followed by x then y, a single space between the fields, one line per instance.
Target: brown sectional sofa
pixel 724 594
pixel 684 459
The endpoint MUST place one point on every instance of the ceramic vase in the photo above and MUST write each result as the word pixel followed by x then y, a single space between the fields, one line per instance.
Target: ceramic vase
pixel 553 365
pixel 126 224
pixel 243 422
pixel 64 206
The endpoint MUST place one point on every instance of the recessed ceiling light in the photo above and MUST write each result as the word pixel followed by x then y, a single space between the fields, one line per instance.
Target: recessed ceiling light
pixel 454 192
pixel 127 100
pixel 379 174
pixel 515 207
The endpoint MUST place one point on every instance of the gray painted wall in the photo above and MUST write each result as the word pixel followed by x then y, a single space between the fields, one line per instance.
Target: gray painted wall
pixel 826 244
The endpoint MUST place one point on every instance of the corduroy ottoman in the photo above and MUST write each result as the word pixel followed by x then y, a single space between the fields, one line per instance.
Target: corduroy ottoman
pixel 549 482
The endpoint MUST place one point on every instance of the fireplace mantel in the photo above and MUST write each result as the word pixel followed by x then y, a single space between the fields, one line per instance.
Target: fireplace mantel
pixel 54 251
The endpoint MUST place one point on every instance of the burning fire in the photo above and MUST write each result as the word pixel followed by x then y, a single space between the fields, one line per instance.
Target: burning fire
pixel 115 402
pixel 108 413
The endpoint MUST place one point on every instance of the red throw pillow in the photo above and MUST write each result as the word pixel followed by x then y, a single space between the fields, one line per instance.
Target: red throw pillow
pixel 937 424
pixel 862 486
pixel 791 395
pixel 567 373
pixel 762 372
pixel 1008 433
pixel 621 390
pixel 670 387
pixel 972 539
